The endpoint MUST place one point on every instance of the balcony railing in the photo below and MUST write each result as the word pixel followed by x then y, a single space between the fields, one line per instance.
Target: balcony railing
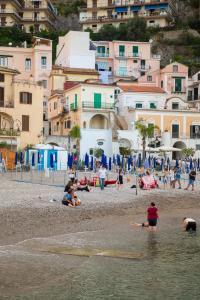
pixel 6 104
pixel 10 11
pixel 102 54
pixel 9 132
pixel 102 105
pixel 122 55
pixel 178 91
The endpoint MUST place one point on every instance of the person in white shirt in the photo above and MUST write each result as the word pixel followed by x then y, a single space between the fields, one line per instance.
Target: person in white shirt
pixel 102 176
pixel 189 224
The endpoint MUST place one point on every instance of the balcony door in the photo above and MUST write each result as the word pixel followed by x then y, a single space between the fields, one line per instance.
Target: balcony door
pixel 97 100
pixel 1 97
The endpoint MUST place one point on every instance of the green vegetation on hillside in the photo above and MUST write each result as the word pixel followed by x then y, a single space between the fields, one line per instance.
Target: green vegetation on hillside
pixel 66 9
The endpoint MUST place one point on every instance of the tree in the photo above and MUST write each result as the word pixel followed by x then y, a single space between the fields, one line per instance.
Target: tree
pixel 137 30
pixel 75 133
pixel 145 131
pixel 188 152
pixel 108 33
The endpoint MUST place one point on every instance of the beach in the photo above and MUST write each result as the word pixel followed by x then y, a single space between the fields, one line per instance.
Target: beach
pixel 33 222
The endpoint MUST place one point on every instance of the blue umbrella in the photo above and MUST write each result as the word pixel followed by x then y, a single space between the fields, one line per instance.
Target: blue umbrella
pixel 21 158
pixel 114 159
pixel 110 164
pixel 16 158
pixel 51 161
pixel 118 160
pixel 149 159
pixel 102 159
pixel 38 157
pixel 146 164
pixel 154 163
pixel 70 160
pixel 0 157
pixel 86 160
pixel 191 164
pixel 177 163
pixel 162 163
pixel 129 162
pixel 33 160
pixel 139 161
pixel 105 161
pixel 92 163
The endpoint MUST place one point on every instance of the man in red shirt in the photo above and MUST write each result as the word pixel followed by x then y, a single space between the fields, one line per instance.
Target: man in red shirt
pixel 152 216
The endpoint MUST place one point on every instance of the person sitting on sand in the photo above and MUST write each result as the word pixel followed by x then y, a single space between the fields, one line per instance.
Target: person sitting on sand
pixel 189 224
pixel 78 187
pixel 145 224
pixel 71 198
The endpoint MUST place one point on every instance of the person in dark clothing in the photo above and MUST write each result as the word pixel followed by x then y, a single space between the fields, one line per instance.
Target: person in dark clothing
pixel 192 178
pixel 189 224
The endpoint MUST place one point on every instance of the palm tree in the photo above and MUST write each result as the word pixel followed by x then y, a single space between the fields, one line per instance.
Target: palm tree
pixel 145 131
pixel 75 133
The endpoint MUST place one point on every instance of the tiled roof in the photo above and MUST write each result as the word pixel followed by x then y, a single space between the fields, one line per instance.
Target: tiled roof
pixel 70 84
pixel 76 70
pixel 141 89
pixel 8 70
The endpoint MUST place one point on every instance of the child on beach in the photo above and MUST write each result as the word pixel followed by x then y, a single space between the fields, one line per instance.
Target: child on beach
pixel 192 178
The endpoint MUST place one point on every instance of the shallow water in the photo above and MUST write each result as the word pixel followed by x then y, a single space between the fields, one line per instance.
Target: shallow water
pixel 169 266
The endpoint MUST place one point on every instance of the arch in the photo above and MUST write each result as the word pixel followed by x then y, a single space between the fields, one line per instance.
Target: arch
pixel 179 145
pixel 125 143
pixel 99 122
pixel 5 121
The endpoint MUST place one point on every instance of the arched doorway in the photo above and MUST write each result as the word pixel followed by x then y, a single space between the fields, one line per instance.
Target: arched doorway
pixel 176 154
pixel 99 122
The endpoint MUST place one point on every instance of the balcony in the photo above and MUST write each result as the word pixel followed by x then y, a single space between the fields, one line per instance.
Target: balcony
pixel 7 104
pixel 125 55
pixel 10 12
pixel 102 54
pixel 103 105
pixel 178 91
pixel 9 132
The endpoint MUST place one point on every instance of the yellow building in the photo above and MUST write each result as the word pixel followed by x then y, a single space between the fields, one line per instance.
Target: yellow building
pixel 21 110
pixel 27 14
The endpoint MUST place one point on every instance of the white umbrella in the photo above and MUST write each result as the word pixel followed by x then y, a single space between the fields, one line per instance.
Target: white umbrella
pixel 169 149
pixel 147 149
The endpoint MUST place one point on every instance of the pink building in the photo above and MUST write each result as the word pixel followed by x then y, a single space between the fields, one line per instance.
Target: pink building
pixel 124 59
pixel 173 79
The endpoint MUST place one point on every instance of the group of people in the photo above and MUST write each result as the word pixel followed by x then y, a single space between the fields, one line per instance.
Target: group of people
pixel 189 224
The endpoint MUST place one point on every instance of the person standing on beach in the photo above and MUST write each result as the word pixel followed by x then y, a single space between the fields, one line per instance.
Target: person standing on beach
pixel 120 179
pixel 102 176
pixel 177 177
pixel 152 216
pixel 192 178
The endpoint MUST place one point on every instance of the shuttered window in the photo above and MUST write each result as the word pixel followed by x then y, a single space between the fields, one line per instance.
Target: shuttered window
pixel 25 123
pixel 25 98
pixel 2 77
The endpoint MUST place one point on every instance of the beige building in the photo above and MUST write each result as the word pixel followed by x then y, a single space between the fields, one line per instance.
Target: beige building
pixel 99 12
pixel 27 14
pixel 21 110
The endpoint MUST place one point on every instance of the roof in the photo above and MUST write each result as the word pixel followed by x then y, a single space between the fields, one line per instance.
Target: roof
pixel 76 70
pixel 9 70
pixel 141 89
pixel 71 84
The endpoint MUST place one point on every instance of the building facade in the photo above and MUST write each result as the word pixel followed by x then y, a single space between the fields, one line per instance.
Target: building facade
pixel 21 110
pixel 125 60
pixel 157 13
pixel 91 107
pixel 28 15
pixel 34 65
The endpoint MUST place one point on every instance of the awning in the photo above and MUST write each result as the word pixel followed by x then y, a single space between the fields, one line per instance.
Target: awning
pixel 156 6
pixel 121 9
pixel 135 8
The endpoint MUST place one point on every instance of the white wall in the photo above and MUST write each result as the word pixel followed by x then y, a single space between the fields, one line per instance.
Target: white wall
pixel 89 139
pixel 73 51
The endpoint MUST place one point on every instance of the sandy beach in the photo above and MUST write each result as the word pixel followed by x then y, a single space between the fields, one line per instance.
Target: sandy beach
pixel 32 217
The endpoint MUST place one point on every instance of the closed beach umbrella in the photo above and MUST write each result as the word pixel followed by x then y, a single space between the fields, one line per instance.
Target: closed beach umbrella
pixel 105 161
pixel 92 163
pixel 149 159
pixel 146 164
pixel 110 164
pixel 177 163
pixel 102 159
pixel 139 161
pixel 16 158
pixel 33 160
pixel 162 163
pixel 51 161
pixel 21 158
pixel 86 160
pixel 191 164
pixel 118 160
pixel 70 160
pixel 154 162
pixel 114 159
pixel 38 157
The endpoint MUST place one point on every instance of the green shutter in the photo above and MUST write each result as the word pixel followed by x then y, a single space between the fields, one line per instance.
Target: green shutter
pixel 135 51
pixel 75 101
pixel 178 84
pixel 121 50
pixel 97 100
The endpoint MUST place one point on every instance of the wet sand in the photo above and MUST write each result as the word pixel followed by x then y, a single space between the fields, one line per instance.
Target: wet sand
pixel 29 221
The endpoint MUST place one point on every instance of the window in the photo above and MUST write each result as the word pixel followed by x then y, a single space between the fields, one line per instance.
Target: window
pixel 44 84
pixel 25 98
pixel 178 85
pixel 152 105
pixel 1 97
pixel 197 147
pixel 68 124
pixel 55 105
pixel 175 105
pixel 25 123
pixel 138 105
pixel 195 131
pixel 3 61
pixel 2 77
pixel 151 21
pixel 43 62
pixel 27 64
pixel 196 93
pixel 135 61
pixel 121 50
pixel 175 131
pixel 175 68
pixel 135 51
pixel 190 95
pixel 149 78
